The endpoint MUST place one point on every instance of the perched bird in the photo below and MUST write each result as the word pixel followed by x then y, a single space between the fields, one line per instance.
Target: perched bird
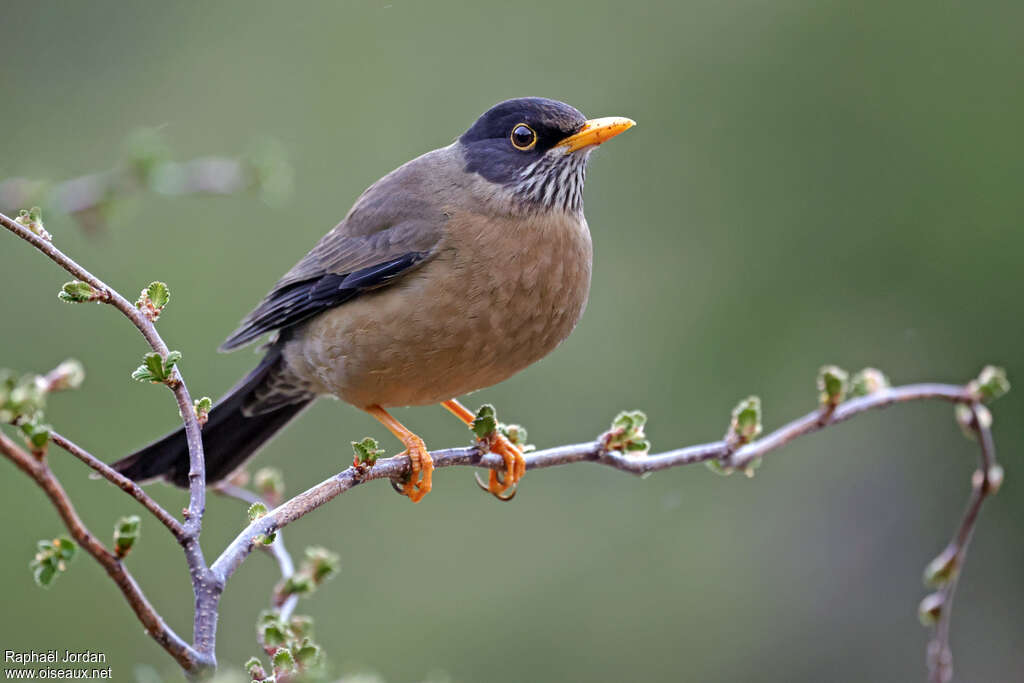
pixel 448 275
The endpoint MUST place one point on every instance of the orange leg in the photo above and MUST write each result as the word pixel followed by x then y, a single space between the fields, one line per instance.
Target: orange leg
pixel 422 466
pixel 515 465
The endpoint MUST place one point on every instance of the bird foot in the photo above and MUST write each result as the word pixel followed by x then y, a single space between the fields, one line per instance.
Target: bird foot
pixel 502 485
pixel 422 468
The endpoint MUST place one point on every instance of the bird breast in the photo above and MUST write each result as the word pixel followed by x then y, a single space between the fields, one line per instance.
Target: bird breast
pixel 501 293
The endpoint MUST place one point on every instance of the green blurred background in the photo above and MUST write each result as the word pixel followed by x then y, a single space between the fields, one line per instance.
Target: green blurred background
pixel 809 183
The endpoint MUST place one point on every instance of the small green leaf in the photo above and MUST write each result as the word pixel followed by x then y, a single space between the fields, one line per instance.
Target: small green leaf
pixel 51 559
pixel 153 299
pixel 284 662
pixel 66 549
pixel 833 385
pixel 145 373
pixel 485 426
pixel 868 381
pixel 485 423
pixel 36 435
pixel 272 633
pixel 156 369
pixel 745 423
pixel 254 667
pixel 367 451
pixel 33 220
pixel 629 421
pixel 307 654
pixel 155 364
pixel 126 532
pixel 257 510
pixel 297 584
pixel 77 292
pixel 141 374
pixel 44 574
pixel 158 293
pixel 930 609
pixel 627 434
pixel 990 384
pixel 517 436
pixel 202 407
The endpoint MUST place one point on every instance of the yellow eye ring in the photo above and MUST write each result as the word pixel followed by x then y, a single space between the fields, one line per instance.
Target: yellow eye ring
pixel 523 137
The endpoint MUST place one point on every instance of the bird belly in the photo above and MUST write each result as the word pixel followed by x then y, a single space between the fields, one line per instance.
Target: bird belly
pixel 500 295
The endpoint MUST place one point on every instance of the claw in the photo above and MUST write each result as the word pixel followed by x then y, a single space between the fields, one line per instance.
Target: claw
pixel 419 482
pixel 421 465
pixel 499 484
pixel 497 491
pixel 515 467
pixel 505 499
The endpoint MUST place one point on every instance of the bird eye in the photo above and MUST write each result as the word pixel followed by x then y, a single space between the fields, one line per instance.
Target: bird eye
pixel 523 137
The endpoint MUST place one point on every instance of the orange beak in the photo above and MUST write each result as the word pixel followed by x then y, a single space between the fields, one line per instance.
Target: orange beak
pixel 596 131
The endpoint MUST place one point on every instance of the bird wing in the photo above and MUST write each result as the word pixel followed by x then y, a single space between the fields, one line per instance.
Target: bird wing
pixel 395 226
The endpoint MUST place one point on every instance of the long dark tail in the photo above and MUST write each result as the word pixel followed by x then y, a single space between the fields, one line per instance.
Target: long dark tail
pixel 230 436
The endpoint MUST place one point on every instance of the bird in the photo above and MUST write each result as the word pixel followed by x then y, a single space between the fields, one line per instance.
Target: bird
pixel 450 274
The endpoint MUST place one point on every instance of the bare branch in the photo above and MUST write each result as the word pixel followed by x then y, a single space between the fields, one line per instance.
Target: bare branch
pixel 36 468
pixel 276 549
pixel 824 417
pixel 123 483
pixel 940 656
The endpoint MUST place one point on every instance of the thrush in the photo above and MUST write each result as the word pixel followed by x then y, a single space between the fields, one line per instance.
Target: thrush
pixel 449 274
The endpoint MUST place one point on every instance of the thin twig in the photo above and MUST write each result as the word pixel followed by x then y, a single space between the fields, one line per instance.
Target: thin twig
pixel 940 656
pixel 819 419
pixel 156 628
pixel 276 549
pixel 123 483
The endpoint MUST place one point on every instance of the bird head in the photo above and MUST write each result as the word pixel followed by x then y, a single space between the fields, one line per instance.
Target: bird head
pixel 537 150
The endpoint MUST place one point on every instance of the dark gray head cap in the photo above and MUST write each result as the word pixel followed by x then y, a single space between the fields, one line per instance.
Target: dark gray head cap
pixel 488 143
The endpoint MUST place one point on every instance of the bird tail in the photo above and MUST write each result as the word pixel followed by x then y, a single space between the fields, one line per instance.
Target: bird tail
pixel 231 435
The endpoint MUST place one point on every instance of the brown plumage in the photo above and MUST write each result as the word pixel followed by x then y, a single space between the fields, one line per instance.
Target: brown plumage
pixel 448 275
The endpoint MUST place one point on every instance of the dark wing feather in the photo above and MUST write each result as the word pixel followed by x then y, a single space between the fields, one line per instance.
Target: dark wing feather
pixel 297 301
pixel 393 227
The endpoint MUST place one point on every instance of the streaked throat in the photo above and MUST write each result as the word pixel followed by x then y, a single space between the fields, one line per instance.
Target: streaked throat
pixel 555 181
